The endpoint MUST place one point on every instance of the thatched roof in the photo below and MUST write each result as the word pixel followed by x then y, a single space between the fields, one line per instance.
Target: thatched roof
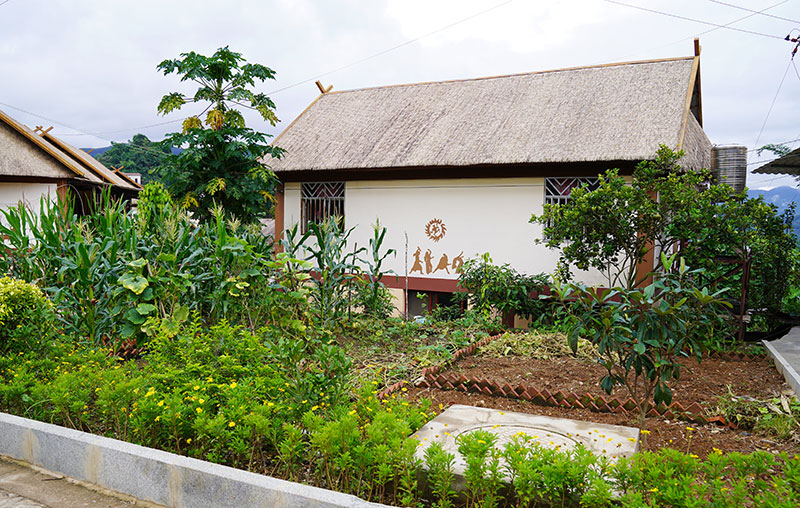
pixel 789 164
pixel 112 177
pixel 28 154
pixel 619 112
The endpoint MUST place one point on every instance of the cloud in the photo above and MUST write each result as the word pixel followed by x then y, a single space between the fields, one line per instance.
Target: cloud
pixel 522 26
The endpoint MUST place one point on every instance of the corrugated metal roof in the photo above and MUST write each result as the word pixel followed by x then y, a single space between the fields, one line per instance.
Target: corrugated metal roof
pixel 789 164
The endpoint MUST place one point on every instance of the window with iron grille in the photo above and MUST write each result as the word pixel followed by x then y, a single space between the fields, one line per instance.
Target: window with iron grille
pixel 321 201
pixel 557 190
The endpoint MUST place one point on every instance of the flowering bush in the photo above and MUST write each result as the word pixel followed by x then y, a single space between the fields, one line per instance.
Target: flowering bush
pixel 26 315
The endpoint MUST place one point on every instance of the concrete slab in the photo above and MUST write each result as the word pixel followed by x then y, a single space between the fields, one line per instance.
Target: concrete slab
pixel 786 354
pixel 9 500
pixel 24 487
pixel 613 441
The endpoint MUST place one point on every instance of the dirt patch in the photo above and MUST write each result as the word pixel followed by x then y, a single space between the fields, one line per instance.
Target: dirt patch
pixel 703 383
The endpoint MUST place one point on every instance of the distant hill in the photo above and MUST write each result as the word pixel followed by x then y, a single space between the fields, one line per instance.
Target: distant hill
pixel 98 151
pixel 781 197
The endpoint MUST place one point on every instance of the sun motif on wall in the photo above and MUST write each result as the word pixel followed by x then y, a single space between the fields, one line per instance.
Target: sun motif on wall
pixel 435 229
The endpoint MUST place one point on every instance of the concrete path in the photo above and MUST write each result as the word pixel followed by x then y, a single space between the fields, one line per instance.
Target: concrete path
pixel 786 353
pixel 23 487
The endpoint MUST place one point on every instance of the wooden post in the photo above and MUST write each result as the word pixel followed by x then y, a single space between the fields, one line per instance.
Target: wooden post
pixel 279 217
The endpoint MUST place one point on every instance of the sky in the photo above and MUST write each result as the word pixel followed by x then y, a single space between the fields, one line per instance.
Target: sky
pixel 89 67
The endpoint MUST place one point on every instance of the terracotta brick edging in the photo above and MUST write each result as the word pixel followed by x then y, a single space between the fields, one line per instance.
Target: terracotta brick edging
pixel 599 403
pixel 436 377
pixel 435 369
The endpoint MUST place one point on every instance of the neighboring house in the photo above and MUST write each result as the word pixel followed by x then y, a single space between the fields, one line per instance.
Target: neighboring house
pixel 136 177
pixel 454 169
pixel 36 163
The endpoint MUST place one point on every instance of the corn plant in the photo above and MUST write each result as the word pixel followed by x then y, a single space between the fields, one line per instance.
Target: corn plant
pixel 374 297
pixel 335 267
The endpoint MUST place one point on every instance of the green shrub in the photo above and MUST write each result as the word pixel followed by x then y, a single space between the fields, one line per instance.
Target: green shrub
pixel 641 334
pixel 491 288
pixel 26 316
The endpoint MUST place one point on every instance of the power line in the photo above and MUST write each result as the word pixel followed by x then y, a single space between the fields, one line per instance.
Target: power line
pixel 406 43
pixel 779 143
pixel 4 2
pixel 311 79
pixel 695 36
pixel 769 111
pixel 686 18
pixel 56 122
pixel 755 12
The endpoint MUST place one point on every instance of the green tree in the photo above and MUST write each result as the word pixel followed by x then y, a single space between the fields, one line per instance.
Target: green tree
pixel 139 155
pixel 223 161
pixel 642 334
pixel 700 220
pixel 626 220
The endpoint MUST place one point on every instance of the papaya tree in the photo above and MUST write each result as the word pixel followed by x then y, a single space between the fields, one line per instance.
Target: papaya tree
pixel 223 160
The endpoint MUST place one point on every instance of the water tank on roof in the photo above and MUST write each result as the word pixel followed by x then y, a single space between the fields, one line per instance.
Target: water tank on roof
pixel 729 165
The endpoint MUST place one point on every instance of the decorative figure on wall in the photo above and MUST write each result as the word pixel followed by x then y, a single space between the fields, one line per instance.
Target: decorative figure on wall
pixel 444 264
pixel 435 229
pixel 457 262
pixel 428 259
pixel 417 267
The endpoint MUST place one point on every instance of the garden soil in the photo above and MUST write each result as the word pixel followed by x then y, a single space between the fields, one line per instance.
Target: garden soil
pixel 704 383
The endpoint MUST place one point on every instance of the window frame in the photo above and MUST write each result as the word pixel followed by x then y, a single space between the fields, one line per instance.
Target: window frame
pixel 321 200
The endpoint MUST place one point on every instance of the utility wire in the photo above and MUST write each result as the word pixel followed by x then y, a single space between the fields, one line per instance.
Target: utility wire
pixel 699 34
pixel 769 111
pixel 4 2
pixel 755 12
pixel 314 78
pixel 779 143
pixel 156 152
pixel 685 18
pixel 406 43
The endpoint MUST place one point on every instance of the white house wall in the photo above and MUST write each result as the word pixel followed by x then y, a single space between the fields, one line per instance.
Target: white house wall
pixel 29 193
pixel 478 215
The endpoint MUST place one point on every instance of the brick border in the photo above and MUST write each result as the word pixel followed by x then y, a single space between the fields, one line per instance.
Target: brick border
pixel 600 404
pixel 436 377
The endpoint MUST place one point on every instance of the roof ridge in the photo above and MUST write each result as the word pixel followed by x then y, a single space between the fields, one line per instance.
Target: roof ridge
pixel 513 75
pixel 43 144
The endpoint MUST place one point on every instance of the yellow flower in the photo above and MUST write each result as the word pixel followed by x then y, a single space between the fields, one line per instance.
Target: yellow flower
pixel 158 418
pixel 199 410
pixel 201 401
pixel 234 385
pixel 690 429
pixel 189 441
pixel 160 403
pixel 645 432
pixel 196 387
pixel 231 424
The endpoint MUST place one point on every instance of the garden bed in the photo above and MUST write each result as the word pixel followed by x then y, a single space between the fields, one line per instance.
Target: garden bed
pixel 548 381
pixel 392 350
pixel 704 383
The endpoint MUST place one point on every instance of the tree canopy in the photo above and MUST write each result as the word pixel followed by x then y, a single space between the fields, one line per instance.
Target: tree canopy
pixel 665 208
pixel 222 161
pixel 139 155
